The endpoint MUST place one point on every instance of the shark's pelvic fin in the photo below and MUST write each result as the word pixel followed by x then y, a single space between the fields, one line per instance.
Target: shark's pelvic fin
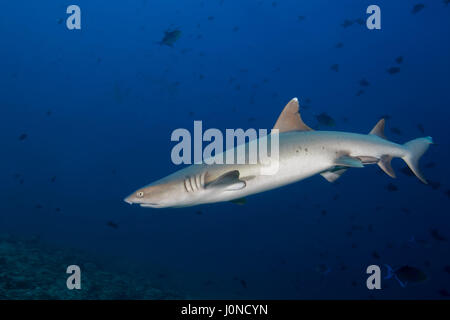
pixel 240 201
pixel 290 119
pixel 347 161
pixel 378 130
pixel 229 181
pixel 385 165
pixel 334 174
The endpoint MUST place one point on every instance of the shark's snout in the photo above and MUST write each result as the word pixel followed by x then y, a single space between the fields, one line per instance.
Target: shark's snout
pixel 128 200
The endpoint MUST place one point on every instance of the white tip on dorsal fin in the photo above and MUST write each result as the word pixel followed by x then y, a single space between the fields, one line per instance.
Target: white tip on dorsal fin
pixel 290 119
pixel 378 130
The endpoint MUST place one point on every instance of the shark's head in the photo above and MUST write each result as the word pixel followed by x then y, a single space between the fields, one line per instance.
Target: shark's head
pixel 161 195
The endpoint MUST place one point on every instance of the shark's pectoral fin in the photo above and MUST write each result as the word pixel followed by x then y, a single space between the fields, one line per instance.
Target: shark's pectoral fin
pixel 290 119
pixel 333 174
pixel 229 181
pixel 385 165
pixel 347 161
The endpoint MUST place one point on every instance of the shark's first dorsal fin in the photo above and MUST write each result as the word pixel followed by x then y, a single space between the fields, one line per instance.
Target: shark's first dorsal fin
pixel 378 130
pixel 290 119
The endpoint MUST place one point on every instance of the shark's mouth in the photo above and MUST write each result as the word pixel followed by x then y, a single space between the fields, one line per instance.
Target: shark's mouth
pixel 150 205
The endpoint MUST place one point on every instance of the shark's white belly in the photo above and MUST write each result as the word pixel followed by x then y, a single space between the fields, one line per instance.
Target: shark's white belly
pixel 297 161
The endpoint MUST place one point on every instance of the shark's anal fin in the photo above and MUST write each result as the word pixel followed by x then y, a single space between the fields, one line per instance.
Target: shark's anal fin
pixel 229 181
pixel 333 174
pixel 378 130
pixel 347 161
pixel 290 119
pixel 385 165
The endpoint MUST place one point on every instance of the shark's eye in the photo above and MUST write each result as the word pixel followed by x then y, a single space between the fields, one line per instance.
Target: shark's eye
pixel 140 194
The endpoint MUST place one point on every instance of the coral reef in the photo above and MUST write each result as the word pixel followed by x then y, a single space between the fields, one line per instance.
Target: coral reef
pixel 32 270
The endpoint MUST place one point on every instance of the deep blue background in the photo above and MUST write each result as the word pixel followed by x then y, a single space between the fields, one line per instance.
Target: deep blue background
pixel 115 96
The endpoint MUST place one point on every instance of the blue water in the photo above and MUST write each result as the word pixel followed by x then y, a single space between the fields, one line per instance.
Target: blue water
pixel 115 96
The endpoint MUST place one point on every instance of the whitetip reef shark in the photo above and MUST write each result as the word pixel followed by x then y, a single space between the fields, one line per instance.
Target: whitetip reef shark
pixel 303 152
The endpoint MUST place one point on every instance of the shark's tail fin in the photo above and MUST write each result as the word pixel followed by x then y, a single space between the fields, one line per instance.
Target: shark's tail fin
pixel 416 148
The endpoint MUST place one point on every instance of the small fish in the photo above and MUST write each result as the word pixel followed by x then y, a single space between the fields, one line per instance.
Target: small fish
pixel 23 136
pixel 430 164
pixel 170 37
pixel 243 283
pixel 393 70
pixel 301 18
pixel 446 2
pixel 38 206
pixel 417 8
pixel 335 67
pixel 323 269
pixel 49 113
pixel 420 128
pixel 444 292
pixel 447 193
pixel 364 83
pixel 347 23
pixel 360 92
pixel 405 210
pixel 356 227
pixel 211 18
pixel 235 29
pixel 399 59
pixel 53 179
pixel 418 241
pixel 396 130
pixel 436 235
pixel 112 224
pixel 434 184
pixel 199 212
pixel 375 255
pixel 325 119
pixel 208 283
pixel 447 269
pixel 391 187
pixel 339 45
pixel 406 275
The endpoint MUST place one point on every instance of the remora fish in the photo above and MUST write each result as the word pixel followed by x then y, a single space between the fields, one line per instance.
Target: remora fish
pixel 303 153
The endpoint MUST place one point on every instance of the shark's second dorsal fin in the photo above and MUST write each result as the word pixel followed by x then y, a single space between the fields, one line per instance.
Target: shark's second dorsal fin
pixel 378 130
pixel 290 119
